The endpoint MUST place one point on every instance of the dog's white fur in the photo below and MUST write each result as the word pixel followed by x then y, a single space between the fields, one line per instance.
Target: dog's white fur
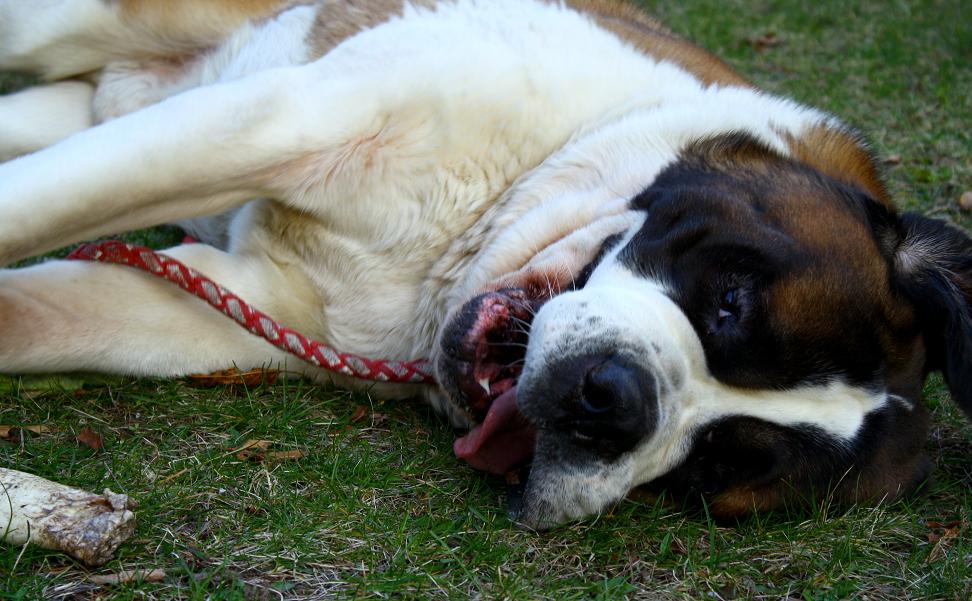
pixel 372 190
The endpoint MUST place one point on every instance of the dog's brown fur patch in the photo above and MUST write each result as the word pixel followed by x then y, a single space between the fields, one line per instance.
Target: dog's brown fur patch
pixel 743 500
pixel 196 23
pixel 341 19
pixel 840 154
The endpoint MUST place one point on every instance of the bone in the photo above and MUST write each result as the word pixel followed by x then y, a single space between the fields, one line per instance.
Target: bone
pixel 87 526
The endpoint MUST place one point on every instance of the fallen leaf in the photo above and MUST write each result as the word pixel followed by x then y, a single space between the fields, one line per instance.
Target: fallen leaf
pixel 129 576
pixel 252 450
pixel 91 439
pixel 250 443
pixel 764 41
pixel 230 377
pixel 359 412
pixel 965 201
pixel 941 536
pixel 10 432
pixel 951 524
pixel 892 159
pixel 251 456
pixel 284 455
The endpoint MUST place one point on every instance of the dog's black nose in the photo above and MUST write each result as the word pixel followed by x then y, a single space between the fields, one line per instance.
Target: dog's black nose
pixel 616 404
pixel 608 384
pixel 604 401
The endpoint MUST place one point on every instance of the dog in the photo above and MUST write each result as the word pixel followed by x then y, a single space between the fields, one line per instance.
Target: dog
pixel 627 264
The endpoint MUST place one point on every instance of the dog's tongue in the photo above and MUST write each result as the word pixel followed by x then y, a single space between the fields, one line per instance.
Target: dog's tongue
pixel 504 439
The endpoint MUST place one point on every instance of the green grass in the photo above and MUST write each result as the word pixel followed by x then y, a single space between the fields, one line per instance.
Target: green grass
pixel 378 506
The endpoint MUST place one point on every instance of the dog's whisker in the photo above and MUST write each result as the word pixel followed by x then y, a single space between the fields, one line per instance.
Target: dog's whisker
pixel 510 344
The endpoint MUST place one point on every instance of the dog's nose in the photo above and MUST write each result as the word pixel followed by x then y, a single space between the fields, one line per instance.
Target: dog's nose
pixel 616 405
pixel 608 384
pixel 605 401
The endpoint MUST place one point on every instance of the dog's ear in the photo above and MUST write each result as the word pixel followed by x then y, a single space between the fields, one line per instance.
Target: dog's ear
pixel 933 265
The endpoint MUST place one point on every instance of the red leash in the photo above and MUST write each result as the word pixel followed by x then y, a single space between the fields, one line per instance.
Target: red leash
pixel 256 322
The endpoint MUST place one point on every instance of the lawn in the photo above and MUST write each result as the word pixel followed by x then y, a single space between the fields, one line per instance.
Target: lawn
pixel 375 505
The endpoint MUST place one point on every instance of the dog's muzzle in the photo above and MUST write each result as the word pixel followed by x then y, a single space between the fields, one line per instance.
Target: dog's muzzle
pixel 604 403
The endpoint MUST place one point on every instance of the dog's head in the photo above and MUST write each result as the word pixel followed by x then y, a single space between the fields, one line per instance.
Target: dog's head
pixel 761 334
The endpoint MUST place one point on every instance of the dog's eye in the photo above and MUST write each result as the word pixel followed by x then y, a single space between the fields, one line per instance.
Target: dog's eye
pixel 729 306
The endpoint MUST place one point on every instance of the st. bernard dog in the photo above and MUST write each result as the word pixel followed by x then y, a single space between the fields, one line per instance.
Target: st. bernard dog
pixel 624 260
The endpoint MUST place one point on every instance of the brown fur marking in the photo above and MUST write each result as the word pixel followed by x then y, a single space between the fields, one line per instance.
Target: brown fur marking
pixel 248 8
pixel 191 24
pixel 743 500
pixel 840 154
pixel 339 20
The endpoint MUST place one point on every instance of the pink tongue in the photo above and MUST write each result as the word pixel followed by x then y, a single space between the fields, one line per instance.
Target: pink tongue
pixel 504 439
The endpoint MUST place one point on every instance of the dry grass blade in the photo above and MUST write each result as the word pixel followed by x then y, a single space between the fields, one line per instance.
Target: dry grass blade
pixel 125 576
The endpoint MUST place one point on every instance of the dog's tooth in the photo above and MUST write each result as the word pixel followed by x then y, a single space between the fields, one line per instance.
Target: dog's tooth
pixel 485 384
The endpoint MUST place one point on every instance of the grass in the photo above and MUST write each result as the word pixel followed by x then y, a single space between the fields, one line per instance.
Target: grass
pixel 378 507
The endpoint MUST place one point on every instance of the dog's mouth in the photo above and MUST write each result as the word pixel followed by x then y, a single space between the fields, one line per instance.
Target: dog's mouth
pixel 484 348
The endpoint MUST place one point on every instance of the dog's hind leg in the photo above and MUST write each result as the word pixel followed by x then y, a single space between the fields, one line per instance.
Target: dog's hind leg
pixel 64 38
pixel 75 315
pixel 38 117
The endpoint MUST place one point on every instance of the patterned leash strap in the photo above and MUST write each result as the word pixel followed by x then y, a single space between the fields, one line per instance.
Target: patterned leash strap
pixel 258 323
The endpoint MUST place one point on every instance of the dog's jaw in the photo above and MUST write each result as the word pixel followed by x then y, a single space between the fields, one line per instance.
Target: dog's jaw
pixel 482 350
pixel 483 347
